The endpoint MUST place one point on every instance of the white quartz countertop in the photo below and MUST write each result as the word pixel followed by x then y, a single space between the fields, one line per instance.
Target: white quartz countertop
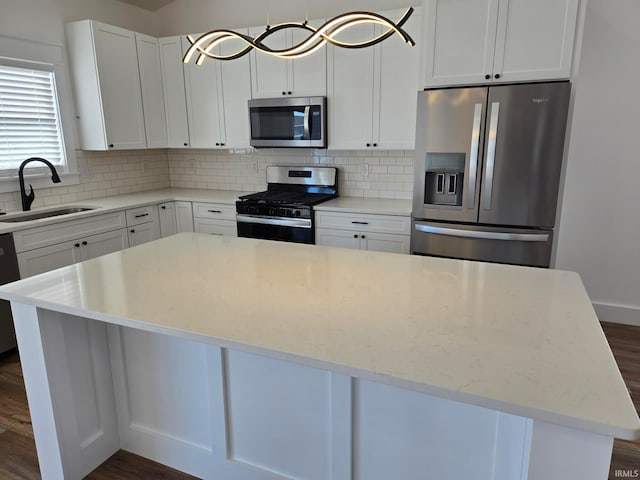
pixel 521 340
pixel 134 200
pixel 366 205
pixel 121 202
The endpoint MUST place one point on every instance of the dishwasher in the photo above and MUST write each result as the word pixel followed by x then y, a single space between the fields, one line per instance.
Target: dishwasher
pixel 8 273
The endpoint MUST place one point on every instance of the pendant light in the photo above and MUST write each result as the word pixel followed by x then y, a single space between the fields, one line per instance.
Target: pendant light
pixel 204 45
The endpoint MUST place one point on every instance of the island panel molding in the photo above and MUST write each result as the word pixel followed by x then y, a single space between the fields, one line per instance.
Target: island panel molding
pixel 223 413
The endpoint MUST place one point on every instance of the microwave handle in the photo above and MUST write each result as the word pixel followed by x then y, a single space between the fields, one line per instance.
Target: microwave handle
pixel 307 112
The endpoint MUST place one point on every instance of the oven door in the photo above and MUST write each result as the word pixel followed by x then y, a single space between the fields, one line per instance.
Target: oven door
pixel 298 230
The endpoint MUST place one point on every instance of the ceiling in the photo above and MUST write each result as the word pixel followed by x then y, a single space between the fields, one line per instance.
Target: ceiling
pixel 152 5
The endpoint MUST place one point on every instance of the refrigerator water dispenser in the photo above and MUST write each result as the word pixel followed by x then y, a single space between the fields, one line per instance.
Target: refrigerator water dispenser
pixel 443 187
pixel 444 178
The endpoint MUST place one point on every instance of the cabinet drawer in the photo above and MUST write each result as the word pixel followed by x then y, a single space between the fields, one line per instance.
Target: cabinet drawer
pixel 137 216
pixel 214 210
pixel 60 232
pixel 227 228
pixel 364 222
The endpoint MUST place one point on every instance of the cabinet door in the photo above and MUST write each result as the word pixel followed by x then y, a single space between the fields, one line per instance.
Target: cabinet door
pixel 119 82
pixel 168 219
pixel 350 91
pixel 184 216
pixel 152 92
pixel 40 260
pixel 338 238
pixel 460 41
pixel 308 74
pixel 535 39
pixel 174 92
pixel 104 243
pixel 212 226
pixel 385 242
pixel 203 103
pixel 394 124
pixel 235 92
pixel 144 233
pixel 268 73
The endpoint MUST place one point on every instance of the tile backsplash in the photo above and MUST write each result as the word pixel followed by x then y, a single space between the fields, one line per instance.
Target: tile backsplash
pixel 102 174
pixel 362 173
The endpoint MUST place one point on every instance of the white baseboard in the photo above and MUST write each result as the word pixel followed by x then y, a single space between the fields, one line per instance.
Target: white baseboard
pixel 626 314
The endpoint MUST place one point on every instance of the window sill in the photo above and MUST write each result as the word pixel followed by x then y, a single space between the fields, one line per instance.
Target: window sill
pixel 11 184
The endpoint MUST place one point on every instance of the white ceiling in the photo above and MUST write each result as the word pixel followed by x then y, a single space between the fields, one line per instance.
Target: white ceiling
pixel 152 5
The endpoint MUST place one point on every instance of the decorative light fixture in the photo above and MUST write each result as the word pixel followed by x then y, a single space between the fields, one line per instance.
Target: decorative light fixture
pixel 205 44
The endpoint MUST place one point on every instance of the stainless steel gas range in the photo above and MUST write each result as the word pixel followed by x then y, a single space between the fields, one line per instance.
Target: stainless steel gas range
pixel 285 210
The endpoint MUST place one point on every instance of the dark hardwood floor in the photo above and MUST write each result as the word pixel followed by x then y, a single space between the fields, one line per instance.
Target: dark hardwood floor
pixel 18 460
pixel 625 345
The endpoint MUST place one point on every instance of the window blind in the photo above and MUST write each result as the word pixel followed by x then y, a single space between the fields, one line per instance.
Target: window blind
pixel 29 118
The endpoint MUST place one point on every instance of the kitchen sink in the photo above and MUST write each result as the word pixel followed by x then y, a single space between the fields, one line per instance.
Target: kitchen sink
pixel 25 217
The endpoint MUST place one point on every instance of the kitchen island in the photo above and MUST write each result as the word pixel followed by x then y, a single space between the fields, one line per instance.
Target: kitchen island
pixel 235 358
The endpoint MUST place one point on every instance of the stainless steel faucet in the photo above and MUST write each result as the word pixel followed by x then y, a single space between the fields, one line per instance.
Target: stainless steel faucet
pixel 27 200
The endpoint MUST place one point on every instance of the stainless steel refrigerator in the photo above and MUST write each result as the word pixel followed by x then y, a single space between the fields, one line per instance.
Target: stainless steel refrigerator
pixel 487 171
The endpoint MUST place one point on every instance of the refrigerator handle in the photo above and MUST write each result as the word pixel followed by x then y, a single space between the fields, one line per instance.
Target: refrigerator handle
pixel 491 155
pixel 457 232
pixel 473 157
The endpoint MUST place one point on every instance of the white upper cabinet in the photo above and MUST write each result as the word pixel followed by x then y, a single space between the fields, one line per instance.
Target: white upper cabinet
pixel 350 91
pixel 203 102
pixel 372 91
pixel 394 128
pixel 235 89
pixel 155 124
pixel 535 39
pixel 485 41
pixel 217 95
pixel 277 77
pixel 104 68
pixel 174 92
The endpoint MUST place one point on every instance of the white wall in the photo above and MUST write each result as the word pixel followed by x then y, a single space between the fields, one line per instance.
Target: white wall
pixel 599 230
pixel 190 16
pixel 43 20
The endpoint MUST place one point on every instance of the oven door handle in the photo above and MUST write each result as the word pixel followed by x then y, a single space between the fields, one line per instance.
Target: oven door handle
pixel 280 221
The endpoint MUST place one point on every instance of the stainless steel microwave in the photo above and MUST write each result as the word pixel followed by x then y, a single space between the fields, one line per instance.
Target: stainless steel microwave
pixel 288 122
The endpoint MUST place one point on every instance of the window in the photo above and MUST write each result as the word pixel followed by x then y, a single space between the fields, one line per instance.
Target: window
pixel 29 118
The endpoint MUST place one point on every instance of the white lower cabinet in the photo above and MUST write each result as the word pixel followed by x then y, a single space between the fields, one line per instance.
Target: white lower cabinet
pixel 48 247
pixel 143 233
pixel 143 224
pixel 215 219
pixel 184 216
pixel 216 227
pixel 380 242
pixel 175 217
pixel 40 260
pixel 383 233
pixel 168 219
